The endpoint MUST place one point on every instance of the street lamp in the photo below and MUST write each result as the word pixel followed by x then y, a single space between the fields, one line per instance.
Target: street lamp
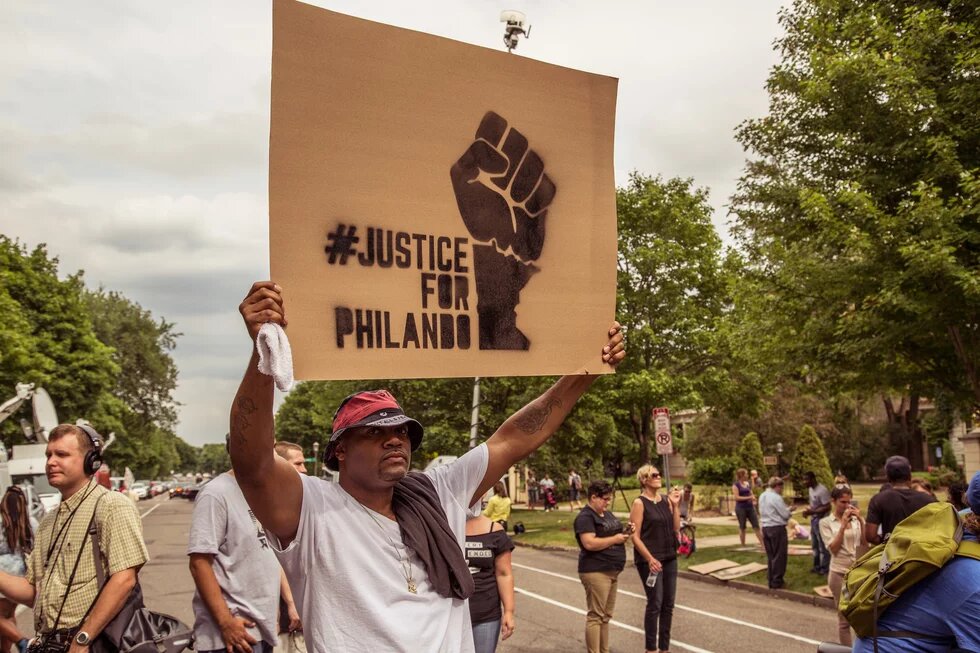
pixel 779 459
pixel 316 459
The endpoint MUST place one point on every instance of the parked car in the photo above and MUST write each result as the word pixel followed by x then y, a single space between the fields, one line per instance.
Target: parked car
pixel 141 490
pixel 192 492
pixel 180 488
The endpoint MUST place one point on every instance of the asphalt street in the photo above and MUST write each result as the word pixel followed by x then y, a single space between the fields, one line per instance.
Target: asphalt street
pixel 550 601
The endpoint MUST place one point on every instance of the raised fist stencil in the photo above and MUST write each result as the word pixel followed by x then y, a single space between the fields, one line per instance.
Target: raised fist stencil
pixel 503 197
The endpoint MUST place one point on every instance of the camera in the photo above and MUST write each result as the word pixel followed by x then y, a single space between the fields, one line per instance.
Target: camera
pixel 51 643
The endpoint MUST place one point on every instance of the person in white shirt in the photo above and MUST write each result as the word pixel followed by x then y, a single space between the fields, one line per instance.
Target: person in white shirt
pixel 774 515
pixel 375 561
pixel 843 532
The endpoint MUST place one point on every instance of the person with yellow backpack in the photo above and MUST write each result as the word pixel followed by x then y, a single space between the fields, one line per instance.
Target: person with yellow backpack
pixel 920 590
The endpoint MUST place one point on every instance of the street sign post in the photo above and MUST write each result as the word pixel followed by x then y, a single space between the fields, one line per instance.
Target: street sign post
pixel 662 435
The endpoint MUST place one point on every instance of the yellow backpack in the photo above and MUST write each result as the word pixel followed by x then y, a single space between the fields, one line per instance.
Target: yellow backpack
pixel 918 547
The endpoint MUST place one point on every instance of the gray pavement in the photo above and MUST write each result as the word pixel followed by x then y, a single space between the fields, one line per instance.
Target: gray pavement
pixel 550 601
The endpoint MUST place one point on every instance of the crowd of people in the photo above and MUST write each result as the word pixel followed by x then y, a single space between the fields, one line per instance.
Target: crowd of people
pixel 393 559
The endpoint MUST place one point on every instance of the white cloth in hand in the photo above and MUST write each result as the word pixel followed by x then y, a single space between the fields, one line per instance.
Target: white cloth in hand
pixel 275 356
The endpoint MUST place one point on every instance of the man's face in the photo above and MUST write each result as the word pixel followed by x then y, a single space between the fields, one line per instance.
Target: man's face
pixel 295 458
pixel 811 481
pixel 375 455
pixel 66 462
pixel 778 489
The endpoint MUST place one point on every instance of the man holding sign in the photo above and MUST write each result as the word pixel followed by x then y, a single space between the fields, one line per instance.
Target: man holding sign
pixel 375 561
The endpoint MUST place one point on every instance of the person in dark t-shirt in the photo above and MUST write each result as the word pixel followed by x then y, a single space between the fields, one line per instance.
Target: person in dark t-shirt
pixel 602 555
pixel 891 506
pixel 488 552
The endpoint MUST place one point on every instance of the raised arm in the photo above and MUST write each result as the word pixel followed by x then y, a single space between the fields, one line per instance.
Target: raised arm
pixel 271 486
pixel 530 427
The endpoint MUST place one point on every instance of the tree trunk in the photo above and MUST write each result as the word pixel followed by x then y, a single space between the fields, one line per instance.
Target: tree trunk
pixel 904 434
pixel 966 358
pixel 641 433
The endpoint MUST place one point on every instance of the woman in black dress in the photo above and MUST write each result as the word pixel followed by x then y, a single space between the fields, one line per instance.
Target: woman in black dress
pixel 657 518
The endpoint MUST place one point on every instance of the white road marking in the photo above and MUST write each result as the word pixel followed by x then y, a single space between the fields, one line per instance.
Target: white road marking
pixel 633 629
pixel 150 510
pixel 703 613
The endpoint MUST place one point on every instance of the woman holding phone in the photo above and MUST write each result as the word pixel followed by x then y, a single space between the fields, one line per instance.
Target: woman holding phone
pixel 602 555
pixel 843 531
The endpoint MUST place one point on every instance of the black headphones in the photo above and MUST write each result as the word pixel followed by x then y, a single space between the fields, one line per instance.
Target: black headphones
pixel 93 459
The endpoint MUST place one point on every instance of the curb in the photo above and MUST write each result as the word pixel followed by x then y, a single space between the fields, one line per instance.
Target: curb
pixel 789 595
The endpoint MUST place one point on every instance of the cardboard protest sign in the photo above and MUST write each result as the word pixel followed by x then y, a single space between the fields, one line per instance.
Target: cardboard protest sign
pixel 436 208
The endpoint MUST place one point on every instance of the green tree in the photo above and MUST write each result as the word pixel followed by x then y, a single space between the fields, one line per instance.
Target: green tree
pixel 188 456
pixel 858 212
pixel 47 338
pixel 749 454
pixel 142 347
pixel 948 459
pixel 672 292
pixel 443 406
pixel 810 457
pixel 214 459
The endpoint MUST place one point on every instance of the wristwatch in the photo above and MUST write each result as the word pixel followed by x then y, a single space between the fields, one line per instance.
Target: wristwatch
pixel 83 639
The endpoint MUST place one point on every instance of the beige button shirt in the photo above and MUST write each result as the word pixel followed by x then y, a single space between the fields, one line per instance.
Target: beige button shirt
pixel 845 557
pixel 62 539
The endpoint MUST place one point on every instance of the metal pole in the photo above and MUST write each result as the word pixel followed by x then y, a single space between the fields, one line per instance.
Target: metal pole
pixel 475 415
pixel 316 460
pixel 667 472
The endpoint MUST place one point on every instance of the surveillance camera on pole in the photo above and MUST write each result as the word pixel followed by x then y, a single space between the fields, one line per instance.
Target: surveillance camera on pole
pixel 516 26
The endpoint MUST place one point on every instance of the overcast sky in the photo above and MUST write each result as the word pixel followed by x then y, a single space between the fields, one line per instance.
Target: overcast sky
pixel 134 135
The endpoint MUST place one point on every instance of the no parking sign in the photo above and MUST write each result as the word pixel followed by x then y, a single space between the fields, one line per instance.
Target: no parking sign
pixel 661 431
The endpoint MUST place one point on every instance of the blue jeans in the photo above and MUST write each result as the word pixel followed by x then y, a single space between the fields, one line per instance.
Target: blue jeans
pixel 485 636
pixel 821 556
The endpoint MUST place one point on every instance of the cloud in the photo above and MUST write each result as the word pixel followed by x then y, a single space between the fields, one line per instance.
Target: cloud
pixel 135 135
pixel 197 147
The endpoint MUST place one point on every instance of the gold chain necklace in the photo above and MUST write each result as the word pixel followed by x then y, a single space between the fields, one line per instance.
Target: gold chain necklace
pixel 405 563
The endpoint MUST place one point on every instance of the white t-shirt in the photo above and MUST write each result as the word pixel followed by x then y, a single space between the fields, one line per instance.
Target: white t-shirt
pixel 246 568
pixel 347 580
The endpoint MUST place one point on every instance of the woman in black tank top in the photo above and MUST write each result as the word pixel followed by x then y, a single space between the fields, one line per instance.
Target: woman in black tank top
pixel 658 519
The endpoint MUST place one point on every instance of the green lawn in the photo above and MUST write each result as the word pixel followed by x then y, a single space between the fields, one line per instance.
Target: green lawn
pixel 545 528
pixel 555 529
pixel 714 530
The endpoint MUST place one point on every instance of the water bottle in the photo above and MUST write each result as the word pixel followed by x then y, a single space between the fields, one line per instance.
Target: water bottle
pixel 652 578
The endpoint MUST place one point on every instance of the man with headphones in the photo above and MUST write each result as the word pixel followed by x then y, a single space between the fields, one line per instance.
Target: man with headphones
pixel 61 582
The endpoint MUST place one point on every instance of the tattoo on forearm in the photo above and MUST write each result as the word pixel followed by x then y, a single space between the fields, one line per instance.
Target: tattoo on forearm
pixel 240 421
pixel 533 417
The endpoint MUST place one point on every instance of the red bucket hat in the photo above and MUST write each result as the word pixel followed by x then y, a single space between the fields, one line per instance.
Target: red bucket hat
pixel 369 408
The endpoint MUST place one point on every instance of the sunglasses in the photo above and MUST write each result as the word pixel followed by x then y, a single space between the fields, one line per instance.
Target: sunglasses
pixel 653 475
